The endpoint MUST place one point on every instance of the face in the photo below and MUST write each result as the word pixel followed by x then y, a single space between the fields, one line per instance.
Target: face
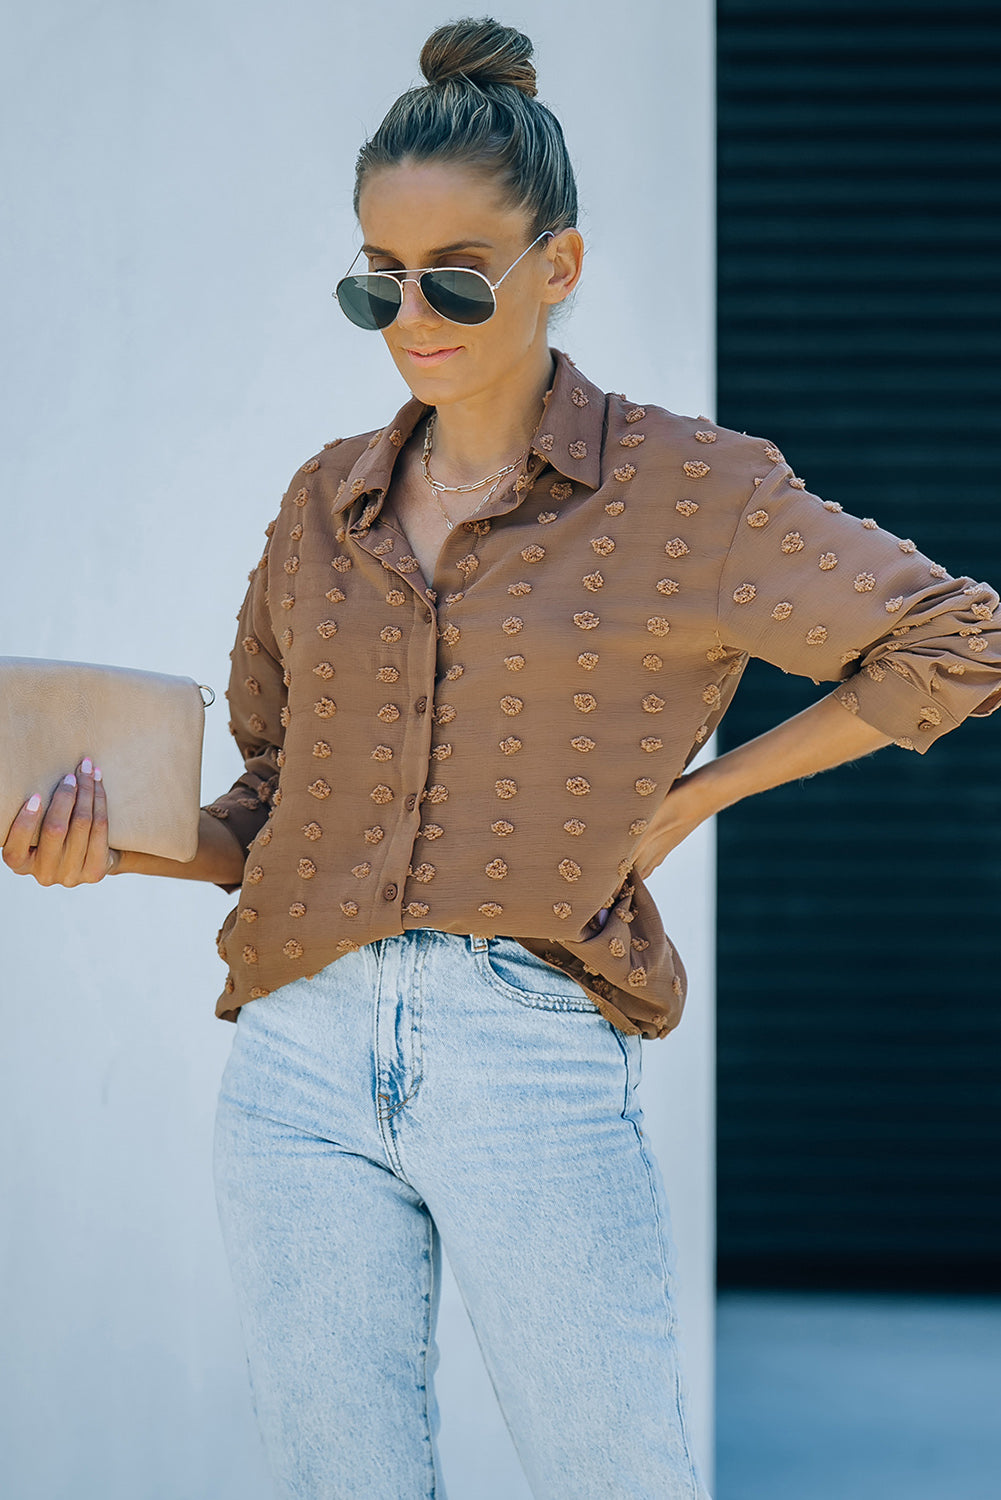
pixel 420 214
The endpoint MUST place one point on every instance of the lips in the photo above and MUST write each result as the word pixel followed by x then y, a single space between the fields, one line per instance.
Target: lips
pixel 430 356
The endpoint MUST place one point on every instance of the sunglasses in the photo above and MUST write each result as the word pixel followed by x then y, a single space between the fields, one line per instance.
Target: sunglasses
pixel 373 299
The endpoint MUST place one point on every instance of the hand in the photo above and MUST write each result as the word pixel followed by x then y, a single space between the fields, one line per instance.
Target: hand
pixel 67 844
pixel 682 810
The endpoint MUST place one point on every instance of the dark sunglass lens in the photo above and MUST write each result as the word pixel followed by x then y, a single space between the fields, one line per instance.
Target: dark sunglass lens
pixel 461 296
pixel 369 301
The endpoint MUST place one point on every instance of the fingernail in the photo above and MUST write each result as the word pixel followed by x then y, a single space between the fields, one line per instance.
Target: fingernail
pixel 34 802
pixel 98 774
pixel 86 765
pixel 69 779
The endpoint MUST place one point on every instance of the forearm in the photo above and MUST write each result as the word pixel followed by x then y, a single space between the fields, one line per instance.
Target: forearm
pixel 220 857
pixel 822 736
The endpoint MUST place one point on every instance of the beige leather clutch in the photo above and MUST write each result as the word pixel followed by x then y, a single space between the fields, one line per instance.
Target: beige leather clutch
pixel 144 729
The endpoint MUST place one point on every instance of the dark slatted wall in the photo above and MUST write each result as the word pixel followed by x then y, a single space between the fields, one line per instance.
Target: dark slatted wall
pixel 859 957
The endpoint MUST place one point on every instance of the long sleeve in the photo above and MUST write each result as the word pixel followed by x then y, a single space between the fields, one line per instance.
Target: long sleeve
pixel 483 759
pixel 834 597
pixel 257 696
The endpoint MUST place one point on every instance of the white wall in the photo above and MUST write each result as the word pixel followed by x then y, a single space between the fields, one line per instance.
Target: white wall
pixel 177 204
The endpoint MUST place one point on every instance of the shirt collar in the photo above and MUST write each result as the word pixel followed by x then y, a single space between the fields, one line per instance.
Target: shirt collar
pixel 570 432
pixel 568 436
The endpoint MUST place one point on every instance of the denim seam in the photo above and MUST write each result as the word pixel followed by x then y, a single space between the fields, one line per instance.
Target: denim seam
pixel 428 1334
pixel 417 997
pixel 382 1116
pixel 625 1059
pixel 417 1021
pixel 671 1322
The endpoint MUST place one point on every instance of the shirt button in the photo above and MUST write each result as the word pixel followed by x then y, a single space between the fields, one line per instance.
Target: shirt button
pixel 389 891
pixel 421 704
pixel 411 800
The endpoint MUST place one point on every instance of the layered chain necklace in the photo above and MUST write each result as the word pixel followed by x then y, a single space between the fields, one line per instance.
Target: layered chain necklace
pixel 437 488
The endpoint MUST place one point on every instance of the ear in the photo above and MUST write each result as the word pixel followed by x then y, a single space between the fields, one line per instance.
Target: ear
pixel 565 254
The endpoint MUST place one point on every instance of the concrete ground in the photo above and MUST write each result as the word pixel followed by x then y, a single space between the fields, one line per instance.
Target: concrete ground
pixel 836 1396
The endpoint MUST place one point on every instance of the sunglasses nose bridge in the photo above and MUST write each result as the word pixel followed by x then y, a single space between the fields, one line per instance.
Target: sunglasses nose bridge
pixel 413 305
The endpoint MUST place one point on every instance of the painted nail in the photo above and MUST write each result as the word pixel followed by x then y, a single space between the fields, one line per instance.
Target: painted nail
pixel 69 779
pixel 34 802
pixel 98 774
pixel 86 765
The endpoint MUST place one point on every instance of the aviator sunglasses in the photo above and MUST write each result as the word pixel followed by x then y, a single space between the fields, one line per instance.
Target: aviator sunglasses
pixel 373 299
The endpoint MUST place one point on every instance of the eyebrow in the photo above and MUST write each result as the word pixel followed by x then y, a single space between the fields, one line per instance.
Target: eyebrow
pixel 441 250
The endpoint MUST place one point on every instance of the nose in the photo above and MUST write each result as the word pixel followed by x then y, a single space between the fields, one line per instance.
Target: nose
pixel 413 308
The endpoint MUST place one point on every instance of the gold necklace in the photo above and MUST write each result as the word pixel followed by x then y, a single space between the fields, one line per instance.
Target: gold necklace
pixel 438 488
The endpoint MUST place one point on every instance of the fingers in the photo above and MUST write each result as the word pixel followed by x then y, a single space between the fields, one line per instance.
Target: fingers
pixel 23 833
pixel 48 862
pixel 67 842
pixel 96 863
pixel 74 851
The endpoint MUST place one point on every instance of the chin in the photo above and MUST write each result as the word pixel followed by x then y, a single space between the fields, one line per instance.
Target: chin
pixel 434 385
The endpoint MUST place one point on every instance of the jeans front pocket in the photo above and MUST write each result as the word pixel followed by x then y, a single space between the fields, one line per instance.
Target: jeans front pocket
pixel 509 967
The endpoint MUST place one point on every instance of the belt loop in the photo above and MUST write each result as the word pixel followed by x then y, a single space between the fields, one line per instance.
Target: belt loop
pixel 479 944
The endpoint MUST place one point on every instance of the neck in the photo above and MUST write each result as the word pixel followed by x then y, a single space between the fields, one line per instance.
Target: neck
pixel 486 431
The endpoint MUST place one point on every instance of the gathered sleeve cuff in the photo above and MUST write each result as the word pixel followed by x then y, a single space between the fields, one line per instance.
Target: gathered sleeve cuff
pixel 835 597
pixel 257 695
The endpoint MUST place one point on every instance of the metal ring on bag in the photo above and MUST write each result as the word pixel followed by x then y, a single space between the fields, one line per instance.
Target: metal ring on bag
pixel 204 686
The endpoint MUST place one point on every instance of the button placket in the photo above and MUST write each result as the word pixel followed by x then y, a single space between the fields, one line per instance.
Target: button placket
pixel 372 541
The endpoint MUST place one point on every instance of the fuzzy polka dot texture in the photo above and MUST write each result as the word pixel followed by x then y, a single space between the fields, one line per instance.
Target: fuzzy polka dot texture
pixel 483 751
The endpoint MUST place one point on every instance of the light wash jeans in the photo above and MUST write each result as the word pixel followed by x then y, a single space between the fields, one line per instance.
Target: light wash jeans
pixel 432 1088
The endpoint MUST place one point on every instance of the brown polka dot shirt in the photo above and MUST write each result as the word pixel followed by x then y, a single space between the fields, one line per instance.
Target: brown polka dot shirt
pixel 483 756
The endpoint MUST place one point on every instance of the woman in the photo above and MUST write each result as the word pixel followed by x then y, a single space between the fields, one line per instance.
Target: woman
pixel 481 647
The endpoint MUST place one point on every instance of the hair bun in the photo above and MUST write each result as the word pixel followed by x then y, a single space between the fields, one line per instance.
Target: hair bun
pixel 482 51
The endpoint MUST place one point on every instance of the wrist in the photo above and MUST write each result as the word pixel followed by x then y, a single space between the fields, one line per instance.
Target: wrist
pixel 707 786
